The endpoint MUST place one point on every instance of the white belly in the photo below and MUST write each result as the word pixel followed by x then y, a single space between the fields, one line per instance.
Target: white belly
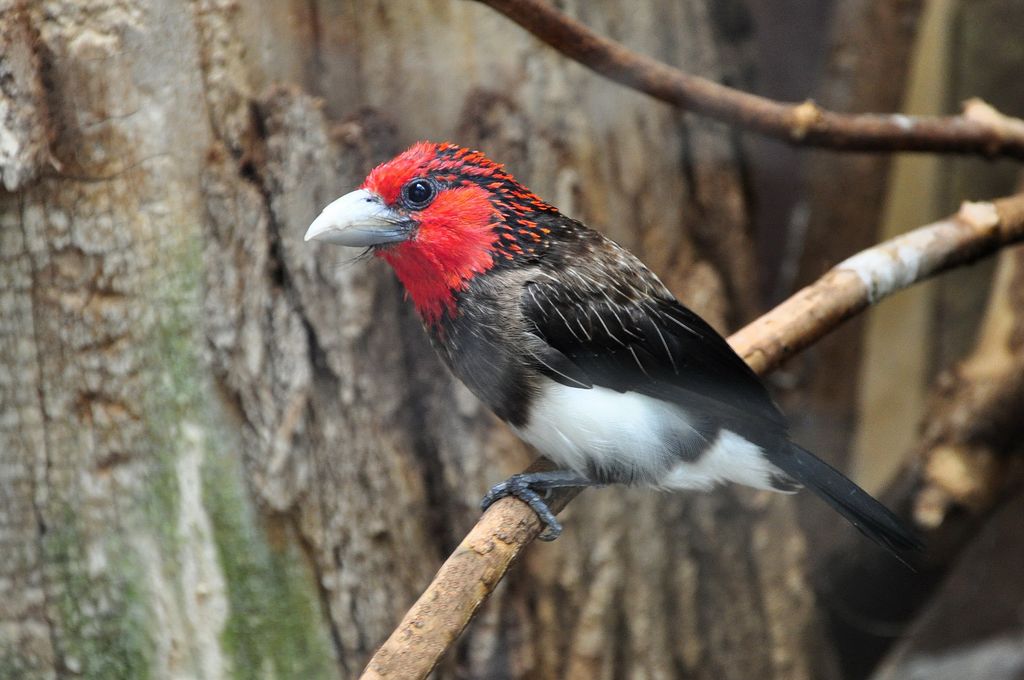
pixel 638 437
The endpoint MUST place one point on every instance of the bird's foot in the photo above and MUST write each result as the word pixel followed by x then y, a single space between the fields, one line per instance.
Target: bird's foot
pixel 525 487
pixel 520 488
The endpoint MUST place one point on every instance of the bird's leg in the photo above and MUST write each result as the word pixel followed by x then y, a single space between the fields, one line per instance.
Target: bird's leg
pixel 525 486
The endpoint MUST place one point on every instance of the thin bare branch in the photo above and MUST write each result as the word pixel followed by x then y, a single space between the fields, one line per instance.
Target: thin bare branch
pixel 977 230
pixel 471 573
pixel 980 129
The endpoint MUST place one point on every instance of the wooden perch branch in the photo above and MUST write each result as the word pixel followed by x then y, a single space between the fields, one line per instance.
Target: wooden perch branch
pixel 977 230
pixel 471 573
pixel 980 129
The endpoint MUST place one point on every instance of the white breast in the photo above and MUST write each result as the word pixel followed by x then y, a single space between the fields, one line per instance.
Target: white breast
pixel 633 436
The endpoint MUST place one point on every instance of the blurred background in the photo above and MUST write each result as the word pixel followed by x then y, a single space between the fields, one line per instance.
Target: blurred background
pixel 225 453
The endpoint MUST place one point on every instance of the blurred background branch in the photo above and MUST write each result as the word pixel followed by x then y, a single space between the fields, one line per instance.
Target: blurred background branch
pixel 980 129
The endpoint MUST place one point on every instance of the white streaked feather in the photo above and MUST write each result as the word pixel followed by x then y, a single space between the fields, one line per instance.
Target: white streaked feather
pixel 566 322
pixel 638 362
pixel 540 359
pixel 609 331
pixel 668 352
pixel 529 289
pixel 681 324
pixel 583 328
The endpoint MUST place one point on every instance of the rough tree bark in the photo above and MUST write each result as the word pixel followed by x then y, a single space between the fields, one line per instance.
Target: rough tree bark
pixel 219 444
pixel 130 543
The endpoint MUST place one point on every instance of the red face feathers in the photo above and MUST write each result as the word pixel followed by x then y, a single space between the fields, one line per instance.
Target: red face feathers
pixel 439 214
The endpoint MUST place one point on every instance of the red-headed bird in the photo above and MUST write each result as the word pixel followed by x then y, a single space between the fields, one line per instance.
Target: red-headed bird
pixel 574 343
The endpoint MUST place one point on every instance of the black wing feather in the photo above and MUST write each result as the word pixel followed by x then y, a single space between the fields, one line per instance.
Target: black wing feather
pixel 622 337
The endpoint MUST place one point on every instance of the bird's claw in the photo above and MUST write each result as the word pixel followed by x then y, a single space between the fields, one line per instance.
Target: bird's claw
pixel 519 487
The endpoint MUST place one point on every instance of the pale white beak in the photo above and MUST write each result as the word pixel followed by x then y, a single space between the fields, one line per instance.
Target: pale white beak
pixel 359 219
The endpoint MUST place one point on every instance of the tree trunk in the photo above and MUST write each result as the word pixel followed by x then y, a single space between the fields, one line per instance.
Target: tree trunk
pixel 131 544
pixel 227 452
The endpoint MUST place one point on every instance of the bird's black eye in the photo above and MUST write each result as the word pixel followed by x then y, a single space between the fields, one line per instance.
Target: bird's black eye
pixel 419 193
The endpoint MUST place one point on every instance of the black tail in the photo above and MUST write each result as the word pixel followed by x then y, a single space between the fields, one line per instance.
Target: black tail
pixel 872 518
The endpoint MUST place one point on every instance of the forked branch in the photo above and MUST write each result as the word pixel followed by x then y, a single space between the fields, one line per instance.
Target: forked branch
pixel 472 572
pixel 980 129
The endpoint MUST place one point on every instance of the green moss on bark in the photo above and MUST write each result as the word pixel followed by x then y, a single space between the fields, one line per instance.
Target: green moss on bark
pixel 275 627
pixel 105 620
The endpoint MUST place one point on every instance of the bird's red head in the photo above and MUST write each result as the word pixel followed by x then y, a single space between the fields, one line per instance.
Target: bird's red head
pixel 439 214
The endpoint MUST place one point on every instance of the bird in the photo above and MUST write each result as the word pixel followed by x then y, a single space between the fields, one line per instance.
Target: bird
pixel 573 342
